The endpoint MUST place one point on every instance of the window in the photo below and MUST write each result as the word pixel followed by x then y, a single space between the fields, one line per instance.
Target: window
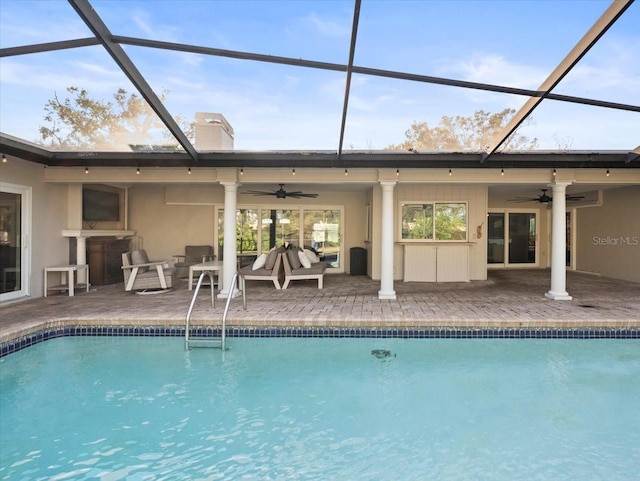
pixel 321 233
pixel 440 221
pixel 258 229
pixel 246 234
pixel 279 227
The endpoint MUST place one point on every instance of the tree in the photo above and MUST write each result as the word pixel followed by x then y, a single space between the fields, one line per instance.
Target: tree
pixel 80 122
pixel 456 134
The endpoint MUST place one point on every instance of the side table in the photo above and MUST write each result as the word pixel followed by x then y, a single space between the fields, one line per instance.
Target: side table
pixel 67 281
pixel 214 266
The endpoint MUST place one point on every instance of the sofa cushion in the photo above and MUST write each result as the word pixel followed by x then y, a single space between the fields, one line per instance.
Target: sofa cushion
pixel 317 268
pixel 140 257
pixel 294 260
pixel 248 271
pixel 271 259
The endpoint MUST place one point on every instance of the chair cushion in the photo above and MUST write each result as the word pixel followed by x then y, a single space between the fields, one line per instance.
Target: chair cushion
pixel 304 260
pixel 196 253
pixel 292 257
pixel 140 257
pixel 318 268
pixel 260 262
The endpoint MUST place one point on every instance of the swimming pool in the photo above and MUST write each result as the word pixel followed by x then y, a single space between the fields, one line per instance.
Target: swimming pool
pixel 290 408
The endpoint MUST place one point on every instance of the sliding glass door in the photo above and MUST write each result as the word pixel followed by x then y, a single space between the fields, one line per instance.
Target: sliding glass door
pixel 512 238
pixel 14 253
pixel 322 234
pixel 259 229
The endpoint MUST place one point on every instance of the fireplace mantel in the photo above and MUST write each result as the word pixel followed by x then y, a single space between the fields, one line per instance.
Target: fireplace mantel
pixel 119 234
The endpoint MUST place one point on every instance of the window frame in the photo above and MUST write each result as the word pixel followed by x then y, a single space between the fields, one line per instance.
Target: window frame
pixel 433 204
pixel 300 209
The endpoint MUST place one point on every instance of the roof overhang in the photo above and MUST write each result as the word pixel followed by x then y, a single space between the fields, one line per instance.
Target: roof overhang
pixel 324 159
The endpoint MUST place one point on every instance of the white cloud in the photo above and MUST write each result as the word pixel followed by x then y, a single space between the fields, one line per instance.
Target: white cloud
pixel 610 72
pixel 141 19
pixel 152 28
pixel 495 69
pixel 327 28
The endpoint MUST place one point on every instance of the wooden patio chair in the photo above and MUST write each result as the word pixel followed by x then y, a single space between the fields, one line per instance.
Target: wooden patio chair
pixel 299 272
pixel 272 270
pixel 141 274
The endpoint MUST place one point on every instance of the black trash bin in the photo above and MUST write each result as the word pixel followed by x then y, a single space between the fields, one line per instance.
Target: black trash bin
pixel 358 265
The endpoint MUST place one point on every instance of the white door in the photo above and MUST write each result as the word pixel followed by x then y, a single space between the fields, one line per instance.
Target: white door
pixel 15 252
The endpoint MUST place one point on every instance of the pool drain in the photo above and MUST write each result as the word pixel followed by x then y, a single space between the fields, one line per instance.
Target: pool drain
pixel 381 353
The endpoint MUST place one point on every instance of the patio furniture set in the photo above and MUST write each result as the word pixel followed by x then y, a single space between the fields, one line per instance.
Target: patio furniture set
pixel 280 266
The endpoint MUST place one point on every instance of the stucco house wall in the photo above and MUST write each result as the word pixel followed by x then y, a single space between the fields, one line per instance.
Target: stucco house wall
pixel 168 218
pixel 476 198
pixel 165 228
pixel 608 237
pixel 48 215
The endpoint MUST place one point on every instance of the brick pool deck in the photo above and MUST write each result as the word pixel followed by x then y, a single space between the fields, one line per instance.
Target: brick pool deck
pixel 507 299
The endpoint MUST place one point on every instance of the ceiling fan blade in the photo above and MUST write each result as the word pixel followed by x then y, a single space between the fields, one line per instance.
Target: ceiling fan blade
pixel 524 199
pixel 298 195
pixel 281 193
pixel 259 192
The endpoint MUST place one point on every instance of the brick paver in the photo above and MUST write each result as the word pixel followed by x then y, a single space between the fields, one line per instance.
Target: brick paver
pixel 509 298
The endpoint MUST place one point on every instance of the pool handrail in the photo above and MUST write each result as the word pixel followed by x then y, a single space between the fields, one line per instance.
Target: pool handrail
pixel 223 333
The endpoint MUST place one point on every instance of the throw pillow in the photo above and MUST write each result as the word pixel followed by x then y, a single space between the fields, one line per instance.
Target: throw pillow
pixel 260 262
pixel 140 257
pixel 313 258
pixel 292 257
pixel 271 259
pixel 304 260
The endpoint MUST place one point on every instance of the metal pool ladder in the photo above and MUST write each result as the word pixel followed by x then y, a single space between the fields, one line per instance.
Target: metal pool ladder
pixel 205 340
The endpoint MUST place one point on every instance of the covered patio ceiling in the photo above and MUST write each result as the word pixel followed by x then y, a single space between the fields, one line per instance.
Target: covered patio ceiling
pixel 131 46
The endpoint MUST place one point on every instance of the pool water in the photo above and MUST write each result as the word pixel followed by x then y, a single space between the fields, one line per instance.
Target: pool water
pixel 322 409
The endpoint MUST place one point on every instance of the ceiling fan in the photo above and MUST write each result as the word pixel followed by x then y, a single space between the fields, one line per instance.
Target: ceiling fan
pixel 544 198
pixel 281 193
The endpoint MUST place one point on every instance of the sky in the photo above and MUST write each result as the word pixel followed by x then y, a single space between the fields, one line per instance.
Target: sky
pixel 275 107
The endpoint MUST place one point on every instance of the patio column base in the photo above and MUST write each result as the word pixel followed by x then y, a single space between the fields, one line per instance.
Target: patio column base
pixel 223 294
pixel 386 294
pixel 558 296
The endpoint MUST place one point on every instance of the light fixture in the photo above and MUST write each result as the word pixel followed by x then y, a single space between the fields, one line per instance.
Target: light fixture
pixel 138 171
pixel 86 170
pixel 293 172
pixel 4 159
pixel 554 172
pixel 450 173
pixel 241 171
pixel 397 172
pixel 501 171
pixel 189 171
pixel 346 172
pixel 608 172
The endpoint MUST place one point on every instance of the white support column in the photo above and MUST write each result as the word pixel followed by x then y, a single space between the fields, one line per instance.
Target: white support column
pixel 81 258
pixel 558 290
pixel 229 247
pixel 386 246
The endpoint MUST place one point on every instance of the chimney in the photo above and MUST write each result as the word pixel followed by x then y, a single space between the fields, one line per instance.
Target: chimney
pixel 213 132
